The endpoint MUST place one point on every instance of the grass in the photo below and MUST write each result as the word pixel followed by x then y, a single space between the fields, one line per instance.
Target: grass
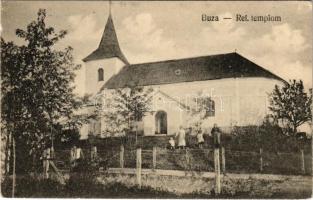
pixel 124 187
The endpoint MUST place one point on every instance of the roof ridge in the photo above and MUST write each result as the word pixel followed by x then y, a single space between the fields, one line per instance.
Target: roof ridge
pixel 177 59
pixel 219 66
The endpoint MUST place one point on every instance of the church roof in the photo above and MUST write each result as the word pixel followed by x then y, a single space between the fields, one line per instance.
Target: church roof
pixel 230 65
pixel 109 46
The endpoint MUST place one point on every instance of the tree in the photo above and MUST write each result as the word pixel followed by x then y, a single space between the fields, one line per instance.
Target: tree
pixel 37 89
pixel 125 106
pixel 291 104
pixel 66 137
pixel 202 107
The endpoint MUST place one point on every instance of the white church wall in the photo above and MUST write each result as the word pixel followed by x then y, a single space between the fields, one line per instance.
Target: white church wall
pixel 110 67
pixel 254 100
pixel 148 124
pixel 88 128
pixel 238 101
pixel 92 128
pixel 175 115
pixel 107 102
pixel 221 91
pixel 84 131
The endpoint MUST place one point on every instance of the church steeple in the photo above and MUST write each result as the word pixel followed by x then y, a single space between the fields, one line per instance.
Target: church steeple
pixel 109 46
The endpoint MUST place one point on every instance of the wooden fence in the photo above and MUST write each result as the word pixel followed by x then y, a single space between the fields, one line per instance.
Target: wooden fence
pixel 202 160
pixel 218 161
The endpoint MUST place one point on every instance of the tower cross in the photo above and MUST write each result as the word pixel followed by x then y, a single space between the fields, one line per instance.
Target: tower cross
pixel 110 4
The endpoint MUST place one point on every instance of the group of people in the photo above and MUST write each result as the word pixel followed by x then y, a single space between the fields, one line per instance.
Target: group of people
pixel 76 153
pixel 181 138
pixel 48 157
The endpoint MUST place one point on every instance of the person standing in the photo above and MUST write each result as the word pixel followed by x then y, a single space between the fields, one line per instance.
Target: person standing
pixel 79 154
pixel 73 156
pixel 93 153
pixel 200 138
pixel 181 138
pixel 46 156
pixel 216 133
pixel 172 143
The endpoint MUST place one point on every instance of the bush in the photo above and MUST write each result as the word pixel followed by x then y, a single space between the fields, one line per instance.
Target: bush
pixel 83 178
pixel 31 186
pixel 268 136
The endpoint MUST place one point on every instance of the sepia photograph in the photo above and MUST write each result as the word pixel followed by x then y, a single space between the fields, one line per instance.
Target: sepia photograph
pixel 156 99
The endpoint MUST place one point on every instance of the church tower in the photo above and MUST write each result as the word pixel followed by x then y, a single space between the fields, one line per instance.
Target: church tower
pixel 105 61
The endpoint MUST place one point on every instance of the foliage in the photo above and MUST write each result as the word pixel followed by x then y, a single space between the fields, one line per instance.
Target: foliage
pixel 269 136
pixel 201 108
pixel 83 177
pixel 77 119
pixel 37 89
pixel 291 104
pixel 124 107
pixel 31 186
pixel 66 137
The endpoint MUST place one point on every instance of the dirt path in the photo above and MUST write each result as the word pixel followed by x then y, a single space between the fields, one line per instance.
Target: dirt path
pixel 249 185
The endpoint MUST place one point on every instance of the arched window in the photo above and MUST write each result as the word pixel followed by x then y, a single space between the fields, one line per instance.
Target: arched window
pixel 210 108
pixel 100 74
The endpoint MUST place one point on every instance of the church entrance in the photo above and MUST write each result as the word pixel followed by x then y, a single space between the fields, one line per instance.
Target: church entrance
pixel 161 122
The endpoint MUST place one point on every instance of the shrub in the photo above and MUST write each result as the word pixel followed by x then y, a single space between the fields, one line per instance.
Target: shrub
pixel 267 136
pixel 31 186
pixel 83 178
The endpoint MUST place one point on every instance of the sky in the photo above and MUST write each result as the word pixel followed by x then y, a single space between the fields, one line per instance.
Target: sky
pixel 155 31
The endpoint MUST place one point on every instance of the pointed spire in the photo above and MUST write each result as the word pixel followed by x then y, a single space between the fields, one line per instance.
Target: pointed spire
pixel 109 38
pixel 108 46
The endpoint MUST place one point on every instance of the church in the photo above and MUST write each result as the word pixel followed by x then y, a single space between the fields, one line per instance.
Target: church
pixel 238 88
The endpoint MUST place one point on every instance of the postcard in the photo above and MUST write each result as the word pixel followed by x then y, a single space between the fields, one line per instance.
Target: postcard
pixel 156 99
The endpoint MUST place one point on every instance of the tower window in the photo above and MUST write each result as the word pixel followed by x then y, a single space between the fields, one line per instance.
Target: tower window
pixel 100 74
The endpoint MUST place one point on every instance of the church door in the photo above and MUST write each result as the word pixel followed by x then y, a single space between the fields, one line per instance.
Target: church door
pixel 161 122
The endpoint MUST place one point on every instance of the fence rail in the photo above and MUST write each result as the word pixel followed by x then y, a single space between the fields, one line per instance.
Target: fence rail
pixel 261 161
pixel 193 160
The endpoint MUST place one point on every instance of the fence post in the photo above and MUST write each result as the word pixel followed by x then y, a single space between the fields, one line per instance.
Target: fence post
pixel 187 159
pixel 302 162
pixel 14 163
pixel 122 157
pixel 154 158
pixel 223 160
pixel 138 167
pixel 93 153
pixel 217 171
pixel 261 159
